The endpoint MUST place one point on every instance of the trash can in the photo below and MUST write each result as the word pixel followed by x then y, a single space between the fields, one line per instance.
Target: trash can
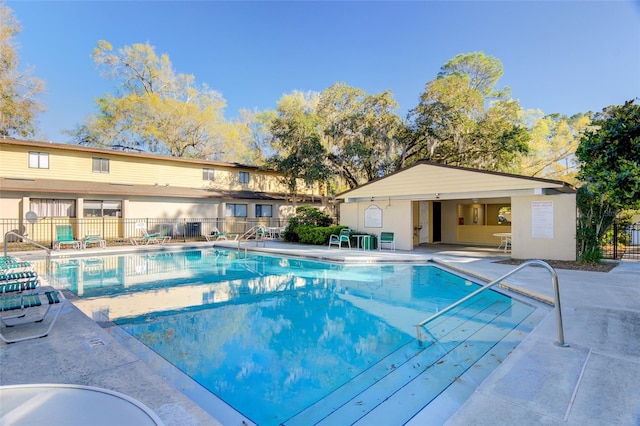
pixel 368 242
pixel 193 229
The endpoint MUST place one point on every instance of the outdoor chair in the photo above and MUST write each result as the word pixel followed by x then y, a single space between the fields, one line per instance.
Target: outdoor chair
pixel 147 238
pixel 94 239
pixel 387 238
pixel 24 304
pixel 64 236
pixel 344 236
pixel 216 235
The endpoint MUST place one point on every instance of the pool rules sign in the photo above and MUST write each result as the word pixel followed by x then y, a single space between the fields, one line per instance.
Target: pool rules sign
pixel 542 219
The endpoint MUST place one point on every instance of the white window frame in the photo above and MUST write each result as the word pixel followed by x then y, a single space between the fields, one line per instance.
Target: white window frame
pixel 235 210
pixel 50 207
pixel 100 162
pixel 260 210
pixel 208 174
pixel 38 160
pixel 243 177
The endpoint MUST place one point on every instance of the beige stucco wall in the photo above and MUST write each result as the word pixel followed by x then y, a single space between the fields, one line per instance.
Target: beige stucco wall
pixel 396 217
pixel 171 209
pixel 563 244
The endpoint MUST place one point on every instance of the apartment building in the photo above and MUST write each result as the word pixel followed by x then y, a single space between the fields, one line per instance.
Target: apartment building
pixel 102 191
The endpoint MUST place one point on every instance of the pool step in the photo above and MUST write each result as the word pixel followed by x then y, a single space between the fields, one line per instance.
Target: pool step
pixel 456 333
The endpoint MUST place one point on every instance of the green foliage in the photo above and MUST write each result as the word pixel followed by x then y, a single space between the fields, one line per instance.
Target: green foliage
pixel 464 120
pixel 554 140
pixel 306 216
pixel 19 91
pixel 157 110
pixel 362 132
pixel 296 137
pixel 317 235
pixel 609 155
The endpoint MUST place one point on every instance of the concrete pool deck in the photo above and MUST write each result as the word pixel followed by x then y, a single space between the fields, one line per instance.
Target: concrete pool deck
pixel 594 381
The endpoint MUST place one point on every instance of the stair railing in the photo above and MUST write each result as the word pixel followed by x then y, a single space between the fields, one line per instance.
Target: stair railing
pixel 556 300
pixel 29 240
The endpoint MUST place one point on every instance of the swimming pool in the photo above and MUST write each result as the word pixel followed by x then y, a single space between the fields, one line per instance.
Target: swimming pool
pixel 294 341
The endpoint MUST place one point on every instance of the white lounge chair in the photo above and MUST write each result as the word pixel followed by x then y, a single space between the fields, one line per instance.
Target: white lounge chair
pixel 216 235
pixel 147 238
pixel 20 301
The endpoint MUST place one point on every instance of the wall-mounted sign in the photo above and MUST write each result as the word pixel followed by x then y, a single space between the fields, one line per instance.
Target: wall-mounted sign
pixel 542 219
pixel 373 217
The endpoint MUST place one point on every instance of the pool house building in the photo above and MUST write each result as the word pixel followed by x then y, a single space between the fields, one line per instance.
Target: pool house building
pixel 428 203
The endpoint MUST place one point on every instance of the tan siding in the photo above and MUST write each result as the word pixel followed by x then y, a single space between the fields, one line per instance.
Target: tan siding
pixel 77 166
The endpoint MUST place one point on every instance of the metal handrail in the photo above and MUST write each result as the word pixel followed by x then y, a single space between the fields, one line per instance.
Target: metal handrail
pixel 22 237
pixel 556 290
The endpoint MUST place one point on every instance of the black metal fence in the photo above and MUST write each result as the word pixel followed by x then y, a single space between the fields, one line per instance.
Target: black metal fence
pixel 120 231
pixel 622 242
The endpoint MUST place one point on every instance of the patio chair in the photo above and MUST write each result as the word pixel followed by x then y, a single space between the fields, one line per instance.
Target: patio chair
pixel 344 236
pixel 216 235
pixel 94 239
pixel 64 236
pixel 147 238
pixel 387 238
pixel 25 303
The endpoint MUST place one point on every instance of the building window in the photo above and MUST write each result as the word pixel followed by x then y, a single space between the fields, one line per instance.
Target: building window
pixel 93 208
pixel 236 210
pixel 38 160
pixel 46 207
pixel 100 165
pixel 264 210
pixel 208 174
pixel 243 177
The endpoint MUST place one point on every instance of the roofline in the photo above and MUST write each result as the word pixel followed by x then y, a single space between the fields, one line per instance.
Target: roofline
pixel 70 147
pixel 565 185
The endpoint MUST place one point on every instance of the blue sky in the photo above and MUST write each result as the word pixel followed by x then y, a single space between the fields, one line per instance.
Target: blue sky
pixel 559 56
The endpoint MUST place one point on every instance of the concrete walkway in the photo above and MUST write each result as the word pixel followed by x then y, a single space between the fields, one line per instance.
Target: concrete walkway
pixel 591 382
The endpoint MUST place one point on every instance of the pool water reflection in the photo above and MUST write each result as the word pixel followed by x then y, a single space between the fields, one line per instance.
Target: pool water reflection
pixel 268 335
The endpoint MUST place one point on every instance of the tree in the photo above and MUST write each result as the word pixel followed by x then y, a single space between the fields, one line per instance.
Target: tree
pixel 554 140
pixel 361 132
pixel 296 137
pixel 19 90
pixel 609 155
pixel 154 109
pixel 483 72
pixel 463 119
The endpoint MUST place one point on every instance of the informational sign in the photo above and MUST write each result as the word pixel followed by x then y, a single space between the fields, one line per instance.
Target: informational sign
pixel 542 219
pixel 373 217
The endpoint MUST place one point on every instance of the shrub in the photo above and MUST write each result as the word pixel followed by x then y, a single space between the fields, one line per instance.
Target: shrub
pixel 317 235
pixel 305 216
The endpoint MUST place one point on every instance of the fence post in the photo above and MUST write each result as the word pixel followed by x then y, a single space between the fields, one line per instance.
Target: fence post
pixel 615 240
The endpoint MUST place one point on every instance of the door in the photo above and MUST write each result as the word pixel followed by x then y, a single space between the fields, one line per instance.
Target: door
pixel 416 223
pixel 437 219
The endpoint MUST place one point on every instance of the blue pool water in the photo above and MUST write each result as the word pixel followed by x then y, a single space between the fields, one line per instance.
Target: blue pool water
pixel 286 340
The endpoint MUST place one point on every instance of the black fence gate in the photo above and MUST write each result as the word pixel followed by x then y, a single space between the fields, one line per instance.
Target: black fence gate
pixel 623 242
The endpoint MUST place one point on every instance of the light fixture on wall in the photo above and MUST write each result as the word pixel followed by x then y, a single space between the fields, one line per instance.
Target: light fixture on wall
pixel 372 199
pixel 437 195
pixel 475 201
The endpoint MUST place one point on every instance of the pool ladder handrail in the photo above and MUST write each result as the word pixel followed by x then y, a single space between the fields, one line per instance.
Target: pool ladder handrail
pixel 258 233
pixel 29 240
pixel 556 291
